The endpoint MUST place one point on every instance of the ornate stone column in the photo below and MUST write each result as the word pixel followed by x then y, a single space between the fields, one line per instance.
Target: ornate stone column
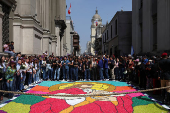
pixel 47 14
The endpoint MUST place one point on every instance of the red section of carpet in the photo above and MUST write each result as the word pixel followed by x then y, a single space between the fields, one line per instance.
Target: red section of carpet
pixel 49 105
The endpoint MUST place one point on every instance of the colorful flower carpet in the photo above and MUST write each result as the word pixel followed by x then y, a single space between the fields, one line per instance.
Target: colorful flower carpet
pixel 129 103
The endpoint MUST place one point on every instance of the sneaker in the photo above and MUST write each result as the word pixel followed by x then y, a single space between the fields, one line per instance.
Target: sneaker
pixel 25 87
pixel 107 79
pixel 63 80
pixel 89 80
pixel 85 80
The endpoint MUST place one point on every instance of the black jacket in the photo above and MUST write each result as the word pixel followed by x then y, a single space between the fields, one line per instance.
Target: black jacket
pixel 164 65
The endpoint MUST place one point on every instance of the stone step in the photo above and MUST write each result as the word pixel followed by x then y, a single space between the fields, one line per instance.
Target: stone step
pixel 3 54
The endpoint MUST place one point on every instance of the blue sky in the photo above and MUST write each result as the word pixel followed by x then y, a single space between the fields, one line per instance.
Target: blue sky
pixel 82 12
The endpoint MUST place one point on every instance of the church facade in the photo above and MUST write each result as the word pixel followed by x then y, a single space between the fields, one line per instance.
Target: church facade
pixel 35 26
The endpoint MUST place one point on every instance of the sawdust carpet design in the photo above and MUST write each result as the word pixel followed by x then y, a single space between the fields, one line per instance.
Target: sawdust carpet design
pixel 130 103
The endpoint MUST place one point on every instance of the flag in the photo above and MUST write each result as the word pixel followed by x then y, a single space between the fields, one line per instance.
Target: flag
pixel 69 11
pixel 96 22
pixel 132 50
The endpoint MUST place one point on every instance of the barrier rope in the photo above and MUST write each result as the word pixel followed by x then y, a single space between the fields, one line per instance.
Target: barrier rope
pixel 84 95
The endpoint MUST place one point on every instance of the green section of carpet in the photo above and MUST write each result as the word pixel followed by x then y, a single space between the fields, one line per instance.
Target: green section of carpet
pixel 28 99
pixel 13 107
pixel 143 100
pixel 150 108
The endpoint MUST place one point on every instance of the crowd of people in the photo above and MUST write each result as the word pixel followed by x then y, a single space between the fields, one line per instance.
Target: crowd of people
pixel 18 72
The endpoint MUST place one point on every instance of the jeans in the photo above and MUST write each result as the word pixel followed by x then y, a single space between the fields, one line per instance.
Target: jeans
pixel 23 80
pixel 52 74
pixel 30 78
pixel 106 73
pixel 87 71
pixel 10 87
pixel 14 83
pixel 10 52
pixel 101 73
pixel 49 76
pixel 94 73
pixel 122 76
pixel 1 87
pixel 18 82
pixel 71 73
pixel 58 73
pixel 112 75
pixel 37 75
pixel 65 71
pixel 117 73
pixel 76 73
pixel 44 73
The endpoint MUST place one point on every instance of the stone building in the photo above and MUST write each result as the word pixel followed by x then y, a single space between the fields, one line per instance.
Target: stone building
pixel 98 41
pixel 88 47
pixel 76 45
pixel 151 26
pixel 69 35
pixel 117 37
pixel 96 21
pixel 7 8
pixel 35 26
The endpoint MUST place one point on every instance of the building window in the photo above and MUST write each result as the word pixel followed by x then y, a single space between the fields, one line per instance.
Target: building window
pixel 111 32
pixel 107 35
pixel 116 27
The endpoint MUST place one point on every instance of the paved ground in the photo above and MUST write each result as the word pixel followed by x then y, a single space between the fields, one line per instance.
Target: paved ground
pixel 138 102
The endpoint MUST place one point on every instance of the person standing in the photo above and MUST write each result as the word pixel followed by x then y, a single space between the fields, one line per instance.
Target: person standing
pixel 18 76
pixel 94 69
pixel 36 67
pixel 155 71
pixel 58 66
pixel 9 76
pixel 116 70
pixel 81 70
pixel 23 75
pixel 65 66
pixel 111 63
pixel 87 67
pixel 40 65
pixel 148 71
pixel 106 68
pixel 31 70
pixel 71 68
pixel 28 72
pixel 100 65
pixel 43 66
pixel 49 64
pixel 164 65
pixel 76 63
pixel 122 68
pixel 130 69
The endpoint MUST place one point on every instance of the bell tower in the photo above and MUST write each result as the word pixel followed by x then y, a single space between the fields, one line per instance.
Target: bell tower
pixel 95 21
